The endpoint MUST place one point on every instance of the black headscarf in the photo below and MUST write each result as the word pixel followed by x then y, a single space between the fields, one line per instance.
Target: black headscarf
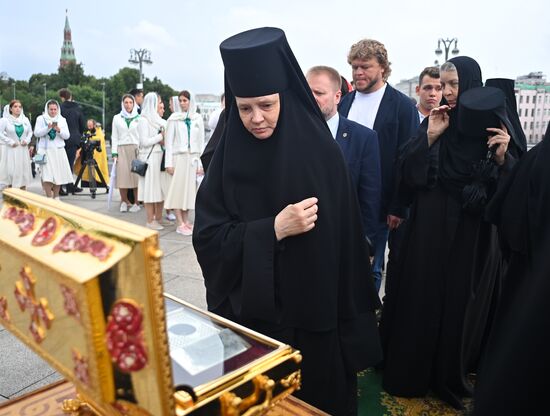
pixel 462 166
pixel 318 278
pixel 518 135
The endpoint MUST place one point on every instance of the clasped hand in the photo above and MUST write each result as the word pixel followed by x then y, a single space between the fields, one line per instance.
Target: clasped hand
pixel 296 218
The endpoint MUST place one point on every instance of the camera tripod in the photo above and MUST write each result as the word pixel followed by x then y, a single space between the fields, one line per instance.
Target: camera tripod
pixel 90 165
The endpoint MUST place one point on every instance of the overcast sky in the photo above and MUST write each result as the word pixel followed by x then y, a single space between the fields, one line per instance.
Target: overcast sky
pixel 508 38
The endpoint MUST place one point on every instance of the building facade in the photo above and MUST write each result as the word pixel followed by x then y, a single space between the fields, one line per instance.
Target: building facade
pixel 533 101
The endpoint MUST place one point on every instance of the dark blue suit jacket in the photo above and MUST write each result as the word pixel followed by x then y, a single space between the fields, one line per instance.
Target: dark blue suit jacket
pixel 395 123
pixel 359 145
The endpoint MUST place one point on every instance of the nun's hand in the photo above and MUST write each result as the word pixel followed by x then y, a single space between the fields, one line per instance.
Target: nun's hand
pixel 437 123
pixel 169 170
pixel 500 138
pixel 296 218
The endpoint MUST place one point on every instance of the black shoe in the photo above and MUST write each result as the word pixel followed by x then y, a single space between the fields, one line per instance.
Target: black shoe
pixel 76 189
pixel 62 192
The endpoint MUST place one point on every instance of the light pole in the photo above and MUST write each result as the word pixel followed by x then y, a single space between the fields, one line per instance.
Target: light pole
pixel 103 108
pixel 447 45
pixel 14 90
pixel 140 56
pixel 45 92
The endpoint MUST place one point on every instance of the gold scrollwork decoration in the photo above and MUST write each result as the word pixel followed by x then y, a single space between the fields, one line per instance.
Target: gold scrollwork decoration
pixel 233 405
pixel 293 380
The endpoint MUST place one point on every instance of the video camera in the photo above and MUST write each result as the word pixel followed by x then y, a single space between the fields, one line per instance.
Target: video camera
pixel 88 146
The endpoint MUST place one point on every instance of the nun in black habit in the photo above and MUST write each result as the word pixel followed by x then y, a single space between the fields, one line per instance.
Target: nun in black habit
pixel 451 260
pixel 277 230
pixel 513 378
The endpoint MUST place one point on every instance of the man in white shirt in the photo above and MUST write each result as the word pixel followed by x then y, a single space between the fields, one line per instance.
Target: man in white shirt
pixel 429 91
pixel 379 106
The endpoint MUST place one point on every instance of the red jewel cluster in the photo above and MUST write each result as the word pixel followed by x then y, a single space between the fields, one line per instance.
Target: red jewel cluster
pixel 70 303
pixel 4 314
pixel 125 336
pixel 81 367
pixel 72 241
pixel 23 219
pixel 46 233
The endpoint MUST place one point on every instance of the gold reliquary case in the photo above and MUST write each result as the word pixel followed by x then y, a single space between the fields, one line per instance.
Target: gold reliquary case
pixel 84 291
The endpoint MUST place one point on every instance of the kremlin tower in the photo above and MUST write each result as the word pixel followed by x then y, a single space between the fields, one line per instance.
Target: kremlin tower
pixel 67 51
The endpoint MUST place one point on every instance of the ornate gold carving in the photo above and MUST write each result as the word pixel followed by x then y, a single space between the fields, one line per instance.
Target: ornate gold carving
pixel 74 406
pixel 294 380
pixel 232 405
pixel 40 313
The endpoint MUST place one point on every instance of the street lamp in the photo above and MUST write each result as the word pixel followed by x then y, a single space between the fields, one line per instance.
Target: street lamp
pixel 140 56
pixel 14 90
pixel 103 108
pixel 45 92
pixel 447 45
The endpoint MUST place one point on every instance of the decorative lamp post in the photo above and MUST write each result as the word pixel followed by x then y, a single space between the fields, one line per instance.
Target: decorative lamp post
pixel 447 45
pixel 139 57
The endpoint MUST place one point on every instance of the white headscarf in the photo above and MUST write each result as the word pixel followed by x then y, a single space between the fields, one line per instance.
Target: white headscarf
pixel 149 111
pixel 21 120
pixel 123 111
pixel 47 117
pixel 176 114
pixel 180 115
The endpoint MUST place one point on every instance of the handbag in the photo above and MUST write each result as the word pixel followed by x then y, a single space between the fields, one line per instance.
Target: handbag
pixel 39 159
pixel 140 166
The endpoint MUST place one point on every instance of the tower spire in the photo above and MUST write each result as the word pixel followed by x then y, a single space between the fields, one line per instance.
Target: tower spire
pixel 67 50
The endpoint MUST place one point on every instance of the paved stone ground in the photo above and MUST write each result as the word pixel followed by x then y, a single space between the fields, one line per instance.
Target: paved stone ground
pixel 22 371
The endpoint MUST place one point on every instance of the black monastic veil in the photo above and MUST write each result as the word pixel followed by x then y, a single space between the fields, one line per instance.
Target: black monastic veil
pixel 316 281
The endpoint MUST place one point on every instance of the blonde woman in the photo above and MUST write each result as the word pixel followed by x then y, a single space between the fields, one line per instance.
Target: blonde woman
pixel 51 131
pixel 124 149
pixel 184 144
pixel 151 128
pixel 15 134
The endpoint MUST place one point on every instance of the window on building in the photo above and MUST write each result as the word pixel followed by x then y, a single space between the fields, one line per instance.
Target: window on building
pixel 532 112
pixel 520 99
pixel 537 125
pixel 524 125
pixel 538 112
pixel 527 99
pixel 519 112
pixel 532 124
pixel 540 99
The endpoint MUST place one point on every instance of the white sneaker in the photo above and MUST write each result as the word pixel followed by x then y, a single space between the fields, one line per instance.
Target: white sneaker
pixel 135 208
pixel 154 226
pixel 171 217
pixel 123 207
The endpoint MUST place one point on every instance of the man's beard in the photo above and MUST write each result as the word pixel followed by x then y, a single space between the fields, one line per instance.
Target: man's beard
pixel 370 85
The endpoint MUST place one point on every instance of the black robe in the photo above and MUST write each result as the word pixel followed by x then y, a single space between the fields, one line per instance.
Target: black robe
pixel 513 375
pixel 436 315
pixel 314 290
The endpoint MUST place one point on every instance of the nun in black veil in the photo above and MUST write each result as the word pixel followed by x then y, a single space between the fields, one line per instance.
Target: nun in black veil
pixel 277 230
pixel 436 317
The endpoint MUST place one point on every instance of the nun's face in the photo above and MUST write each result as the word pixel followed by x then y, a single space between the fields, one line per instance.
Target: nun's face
pixel 184 103
pixel 128 105
pixel 259 114
pixel 449 85
pixel 52 110
pixel 16 109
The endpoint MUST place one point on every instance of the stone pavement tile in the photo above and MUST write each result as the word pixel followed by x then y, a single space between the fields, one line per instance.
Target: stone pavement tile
pixel 3 399
pixel 182 262
pixel 186 288
pixel 19 366
pixel 52 378
pixel 169 246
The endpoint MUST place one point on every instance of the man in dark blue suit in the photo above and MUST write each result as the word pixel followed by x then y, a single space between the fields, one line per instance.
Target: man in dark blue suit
pixel 375 104
pixel 359 145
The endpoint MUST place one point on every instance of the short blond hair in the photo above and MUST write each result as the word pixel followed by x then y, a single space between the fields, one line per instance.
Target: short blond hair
pixel 332 74
pixel 369 48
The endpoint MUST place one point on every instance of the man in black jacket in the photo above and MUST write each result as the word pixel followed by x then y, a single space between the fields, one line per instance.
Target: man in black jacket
pixel 75 120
